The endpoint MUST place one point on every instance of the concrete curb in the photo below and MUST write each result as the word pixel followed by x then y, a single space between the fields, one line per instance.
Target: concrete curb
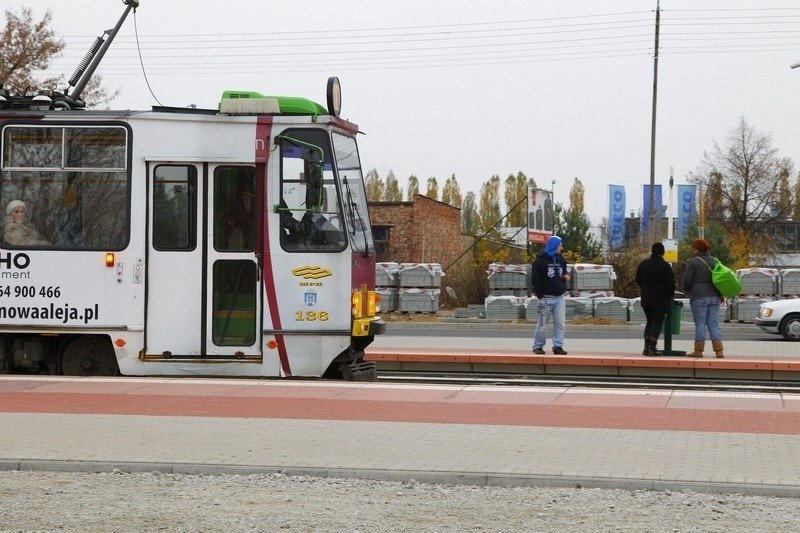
pixel 421 476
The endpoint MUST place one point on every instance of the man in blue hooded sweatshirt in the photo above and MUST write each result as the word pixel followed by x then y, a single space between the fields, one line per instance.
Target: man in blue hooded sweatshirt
pixel 549 279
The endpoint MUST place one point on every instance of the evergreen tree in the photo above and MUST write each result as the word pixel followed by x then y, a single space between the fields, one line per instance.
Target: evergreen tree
pixel 413 187
pixel 490 204
pixel 392 192
pixel 374 186
pixel 433 189
pixel 470 218
pixel 572 225
pixel 516 196
pixel 451 193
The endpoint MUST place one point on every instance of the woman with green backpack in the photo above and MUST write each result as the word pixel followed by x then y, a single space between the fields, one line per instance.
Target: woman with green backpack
pixel 704 299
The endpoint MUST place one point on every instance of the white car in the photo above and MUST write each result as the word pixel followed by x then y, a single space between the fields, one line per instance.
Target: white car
pixel 781 317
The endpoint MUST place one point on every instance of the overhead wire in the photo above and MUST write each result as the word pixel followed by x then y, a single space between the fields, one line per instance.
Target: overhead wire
pixel 567 38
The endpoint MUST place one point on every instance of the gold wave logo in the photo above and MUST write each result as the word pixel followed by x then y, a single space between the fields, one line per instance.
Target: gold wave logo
pixel 311 272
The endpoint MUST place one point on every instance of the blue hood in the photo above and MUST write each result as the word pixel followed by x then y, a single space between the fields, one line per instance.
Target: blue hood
pixel 552 245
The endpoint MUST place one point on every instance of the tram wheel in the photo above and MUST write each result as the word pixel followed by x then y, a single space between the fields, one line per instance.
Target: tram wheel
pixel 89 355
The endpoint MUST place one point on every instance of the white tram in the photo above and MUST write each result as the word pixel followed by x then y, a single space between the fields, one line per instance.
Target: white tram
pixel 218 242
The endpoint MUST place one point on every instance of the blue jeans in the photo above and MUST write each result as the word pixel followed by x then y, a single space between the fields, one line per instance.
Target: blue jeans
pixel 558 309
pixel 705 312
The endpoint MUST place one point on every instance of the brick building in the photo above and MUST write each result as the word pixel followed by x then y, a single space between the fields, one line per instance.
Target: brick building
pixel 420 231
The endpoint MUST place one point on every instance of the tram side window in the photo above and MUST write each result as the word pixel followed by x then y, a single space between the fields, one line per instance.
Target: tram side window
pixel 73 182
pixel 309 207
pixel 174 207
pixel 234 209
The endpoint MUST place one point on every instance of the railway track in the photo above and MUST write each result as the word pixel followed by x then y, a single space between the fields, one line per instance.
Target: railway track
pixel 611 382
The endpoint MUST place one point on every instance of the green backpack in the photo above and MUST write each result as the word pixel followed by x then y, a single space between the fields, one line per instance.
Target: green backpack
pixel 724 279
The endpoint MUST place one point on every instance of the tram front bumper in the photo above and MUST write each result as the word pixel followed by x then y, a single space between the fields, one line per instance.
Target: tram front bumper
pixel 365 327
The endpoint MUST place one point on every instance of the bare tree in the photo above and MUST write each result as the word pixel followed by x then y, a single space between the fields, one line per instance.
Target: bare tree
pixel 742 182
pixel 27 48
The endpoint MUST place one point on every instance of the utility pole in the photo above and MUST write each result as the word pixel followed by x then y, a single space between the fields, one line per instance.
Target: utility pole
pixel 652 214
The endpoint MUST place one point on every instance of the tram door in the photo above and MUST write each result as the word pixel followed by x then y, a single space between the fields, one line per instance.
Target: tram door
pixel 202 293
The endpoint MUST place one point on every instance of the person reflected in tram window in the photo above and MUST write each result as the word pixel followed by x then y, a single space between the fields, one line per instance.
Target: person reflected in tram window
pixel 17 230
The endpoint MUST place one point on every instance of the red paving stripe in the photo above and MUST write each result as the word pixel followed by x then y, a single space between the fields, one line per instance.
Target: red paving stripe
pixel 584 416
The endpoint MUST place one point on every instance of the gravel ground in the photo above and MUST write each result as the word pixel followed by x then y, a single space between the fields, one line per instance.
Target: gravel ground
pixel 118 501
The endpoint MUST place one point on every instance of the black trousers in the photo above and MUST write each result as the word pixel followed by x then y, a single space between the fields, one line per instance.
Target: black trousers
pixel 655 321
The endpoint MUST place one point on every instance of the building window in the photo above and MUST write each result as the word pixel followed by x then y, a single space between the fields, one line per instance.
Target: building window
pixel 380 234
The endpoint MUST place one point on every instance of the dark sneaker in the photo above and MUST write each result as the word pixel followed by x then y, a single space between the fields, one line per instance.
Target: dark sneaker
pixel 538 351
pixel 558 350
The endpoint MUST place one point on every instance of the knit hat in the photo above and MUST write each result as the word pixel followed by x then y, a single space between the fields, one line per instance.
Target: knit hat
pixel 13 204
pixel 552 245
pixel 658 249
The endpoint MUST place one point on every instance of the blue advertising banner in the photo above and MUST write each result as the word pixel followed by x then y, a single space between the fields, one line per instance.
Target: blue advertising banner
pixel 686 208
pixel 646 206
pixel 616 216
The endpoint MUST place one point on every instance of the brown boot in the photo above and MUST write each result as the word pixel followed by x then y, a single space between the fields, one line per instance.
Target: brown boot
pixel 717 345
pixel 698 349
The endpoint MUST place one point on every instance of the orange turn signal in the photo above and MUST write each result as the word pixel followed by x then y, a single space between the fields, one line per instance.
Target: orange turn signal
pixel 109 259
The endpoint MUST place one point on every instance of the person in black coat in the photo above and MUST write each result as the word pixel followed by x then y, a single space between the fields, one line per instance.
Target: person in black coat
pixel 656 280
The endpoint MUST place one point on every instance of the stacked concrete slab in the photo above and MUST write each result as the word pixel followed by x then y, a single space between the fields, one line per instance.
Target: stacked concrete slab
pixel 587 279
pixel 386 280
pixel 419 287
pixel 509 280
pixel 790 283
pixel 611 308
pixel 761 282
pixel 505 307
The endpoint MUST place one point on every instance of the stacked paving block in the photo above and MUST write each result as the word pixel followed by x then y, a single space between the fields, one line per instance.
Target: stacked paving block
pixel 611 308
pixel 635 311
pixel 759 285
pixel 579 307
pixel 745 308
pixel 761 282
pixel 790 283
pixel 509 280
pixel 588 279
pixel 505 307
pixel 419 287
pixel 386 280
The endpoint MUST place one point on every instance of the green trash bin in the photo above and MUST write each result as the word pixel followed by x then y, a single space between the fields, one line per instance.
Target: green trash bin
pixel 672 321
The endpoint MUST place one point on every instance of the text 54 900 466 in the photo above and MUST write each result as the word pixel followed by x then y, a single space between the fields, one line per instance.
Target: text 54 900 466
pixel 29 291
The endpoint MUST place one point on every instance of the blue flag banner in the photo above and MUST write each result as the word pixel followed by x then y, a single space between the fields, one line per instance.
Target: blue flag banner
pixel 616 216
pixel 686 208
pixel 646 206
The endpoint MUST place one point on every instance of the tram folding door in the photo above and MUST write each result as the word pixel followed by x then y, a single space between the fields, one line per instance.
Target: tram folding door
pixel 203 297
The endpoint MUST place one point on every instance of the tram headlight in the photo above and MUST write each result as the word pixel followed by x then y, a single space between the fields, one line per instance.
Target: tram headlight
pixel 358 307
pixel 365 304
pixel 372 303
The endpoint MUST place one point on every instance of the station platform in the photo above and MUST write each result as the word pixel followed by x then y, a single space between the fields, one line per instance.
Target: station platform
pixel 455 434
pixel 500 348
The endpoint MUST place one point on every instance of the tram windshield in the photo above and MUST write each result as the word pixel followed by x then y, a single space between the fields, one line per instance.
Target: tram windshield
pixel 355 196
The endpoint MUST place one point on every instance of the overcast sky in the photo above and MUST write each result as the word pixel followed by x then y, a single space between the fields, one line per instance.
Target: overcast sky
pixel 555 89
